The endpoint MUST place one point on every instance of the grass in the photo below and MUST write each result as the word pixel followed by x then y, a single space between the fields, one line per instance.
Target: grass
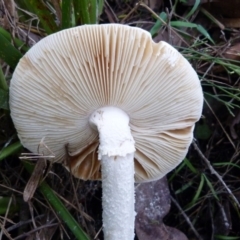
pixel 11 53
pixel 59 207
pixel 204 188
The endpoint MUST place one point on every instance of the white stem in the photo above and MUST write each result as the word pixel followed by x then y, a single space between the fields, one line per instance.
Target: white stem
pixel 118 197
pixel 116 152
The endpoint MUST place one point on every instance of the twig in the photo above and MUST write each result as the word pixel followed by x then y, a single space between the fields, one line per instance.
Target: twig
pixel 33 219
pixel 213 171
pixel 212 219
pixel 35 230
pixel 187 219
pixel 230 140
pixel 3 229
pixel 111 10
pixel 130 13
pixel 166 24
pixel 21 223
pixel 97 234
pixel 225 218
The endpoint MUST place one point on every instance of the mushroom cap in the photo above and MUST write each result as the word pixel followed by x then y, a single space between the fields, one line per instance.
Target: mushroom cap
pixel 68 75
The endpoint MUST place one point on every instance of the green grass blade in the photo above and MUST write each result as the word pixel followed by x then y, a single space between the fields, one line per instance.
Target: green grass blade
pixel 100 5
pixel 190 166
pixel 194 8
pixel 179 24
pixel 80 12
pixel 229 164
pixel 177 170
pixel 4 205
pixel 23 4
pixel 210 186
pixel 3 83
pixel 221 237
pixel 155 29
pixel 185 163
pixel 59 207
pixel 17 42
pixel 67 14
pixel 87 11
pixel 204 32
pixel 198 192
pixel 4 96
pixel 47 19
pixel 8 53
pixel 201 29
pixel 184 187
pixel 9 150
pixel 62 211
pixel 212 18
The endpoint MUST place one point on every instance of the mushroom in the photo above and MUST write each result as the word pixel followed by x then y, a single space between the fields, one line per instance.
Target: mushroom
pixel 126 107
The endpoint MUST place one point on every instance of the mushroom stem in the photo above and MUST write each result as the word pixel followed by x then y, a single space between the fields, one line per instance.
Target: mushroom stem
pixel 118 197
pixel 116 152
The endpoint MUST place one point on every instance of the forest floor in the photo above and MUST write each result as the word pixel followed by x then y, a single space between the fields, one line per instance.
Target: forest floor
pixel 204 190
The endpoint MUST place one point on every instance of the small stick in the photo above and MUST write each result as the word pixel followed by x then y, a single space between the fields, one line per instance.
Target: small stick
pixel 186 218
pixel 212 220
pixel 3 229
pixel 225 218
pixel 213 171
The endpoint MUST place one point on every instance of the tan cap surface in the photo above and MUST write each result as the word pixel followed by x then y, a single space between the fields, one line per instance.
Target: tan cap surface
pixel 68 75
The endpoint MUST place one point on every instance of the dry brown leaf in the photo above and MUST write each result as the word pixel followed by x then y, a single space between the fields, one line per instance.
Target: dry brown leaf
pixel 227 12
pixel 233 53
pixel 153 4
pixel 231 22
pixel 230 53
pixel 34 180
pixel 227 9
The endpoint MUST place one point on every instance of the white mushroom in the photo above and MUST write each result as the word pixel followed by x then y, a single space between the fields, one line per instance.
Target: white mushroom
pixel 111 94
